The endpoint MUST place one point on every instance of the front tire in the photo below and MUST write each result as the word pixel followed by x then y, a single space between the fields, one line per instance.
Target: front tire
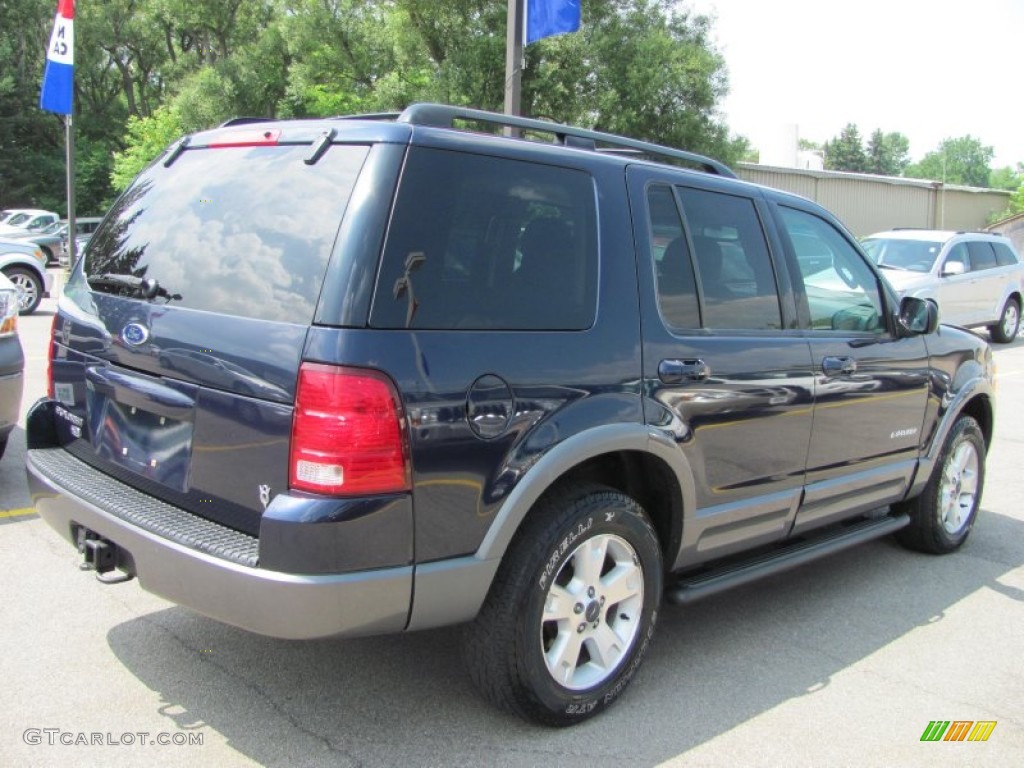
pixel 942 517
pixel 572 608
pixel 1006 329
pixel 30 288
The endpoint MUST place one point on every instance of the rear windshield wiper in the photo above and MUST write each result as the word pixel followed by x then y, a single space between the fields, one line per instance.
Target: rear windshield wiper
pixel 131 285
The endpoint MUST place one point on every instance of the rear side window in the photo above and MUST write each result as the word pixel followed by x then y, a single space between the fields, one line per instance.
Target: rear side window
pixel 245 231
pixel 479 243
pixel 1004 255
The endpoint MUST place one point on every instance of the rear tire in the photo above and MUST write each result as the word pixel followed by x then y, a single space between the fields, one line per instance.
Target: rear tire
pixel 572 608
pixel 1006 329
pixel 942 517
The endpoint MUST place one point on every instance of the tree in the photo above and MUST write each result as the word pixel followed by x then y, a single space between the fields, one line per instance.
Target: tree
pixel 1007 178
pixel 888 154
pixel 147 70
pixel 846 151
pixel 963 160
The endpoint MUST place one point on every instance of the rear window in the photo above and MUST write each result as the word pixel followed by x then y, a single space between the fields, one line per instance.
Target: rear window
pixel 480 243
pixel 245 231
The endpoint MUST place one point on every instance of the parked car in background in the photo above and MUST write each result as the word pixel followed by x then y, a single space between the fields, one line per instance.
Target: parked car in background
pixel 12 361
pixel 53 238
pixel 976 278
pixel 81 240
pixel 25 265
pixel 28 220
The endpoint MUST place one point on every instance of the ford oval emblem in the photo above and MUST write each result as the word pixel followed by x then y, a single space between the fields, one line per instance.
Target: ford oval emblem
pixel 134 334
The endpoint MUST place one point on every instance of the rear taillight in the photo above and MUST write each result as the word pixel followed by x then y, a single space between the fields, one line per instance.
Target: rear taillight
pixel 348 433
pixel 50 392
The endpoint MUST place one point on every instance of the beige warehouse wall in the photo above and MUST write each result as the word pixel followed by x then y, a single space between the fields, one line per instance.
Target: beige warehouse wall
pixel 869 204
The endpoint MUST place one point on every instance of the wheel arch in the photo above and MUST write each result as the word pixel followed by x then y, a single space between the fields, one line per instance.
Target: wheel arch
pixel 630 458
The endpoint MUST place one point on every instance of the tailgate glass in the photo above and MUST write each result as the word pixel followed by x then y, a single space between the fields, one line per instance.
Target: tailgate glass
pixel 245 231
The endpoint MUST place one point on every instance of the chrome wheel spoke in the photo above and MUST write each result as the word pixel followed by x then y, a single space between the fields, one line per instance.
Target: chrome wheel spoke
pixel 564 655
pixel 622 583
pixel 605 647
pixel 588 560
pixel 559 605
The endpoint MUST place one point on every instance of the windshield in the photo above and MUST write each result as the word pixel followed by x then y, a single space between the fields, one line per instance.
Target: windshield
pixel 246 231
pixel 910 255
pixel 53 229
pixel 18 219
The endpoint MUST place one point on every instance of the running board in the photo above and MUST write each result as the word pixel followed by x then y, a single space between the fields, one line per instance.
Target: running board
pixel 691 588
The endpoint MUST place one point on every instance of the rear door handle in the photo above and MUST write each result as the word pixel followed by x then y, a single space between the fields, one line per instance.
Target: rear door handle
pixel 839 366
pixel 675 371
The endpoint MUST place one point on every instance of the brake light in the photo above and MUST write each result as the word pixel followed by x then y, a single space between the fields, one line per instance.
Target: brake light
pixel 251 138
pixel 348 433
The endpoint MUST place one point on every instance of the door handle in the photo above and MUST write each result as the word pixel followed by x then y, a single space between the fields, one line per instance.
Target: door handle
pixel 675 371
pixel 839 366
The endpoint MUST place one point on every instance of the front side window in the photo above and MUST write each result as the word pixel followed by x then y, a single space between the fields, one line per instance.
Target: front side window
pixel 842 291
pixel 958 255
pixel 486 243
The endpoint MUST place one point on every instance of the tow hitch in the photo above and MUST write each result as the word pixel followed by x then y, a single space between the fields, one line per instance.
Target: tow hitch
pixel 102 556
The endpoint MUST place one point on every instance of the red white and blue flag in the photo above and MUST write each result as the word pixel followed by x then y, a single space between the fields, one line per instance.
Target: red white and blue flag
pixel 550 17
pixel 59 75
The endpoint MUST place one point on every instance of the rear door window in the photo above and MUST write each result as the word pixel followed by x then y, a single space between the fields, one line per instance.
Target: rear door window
pixel 246 231
pixel 982 255
pixel 480 243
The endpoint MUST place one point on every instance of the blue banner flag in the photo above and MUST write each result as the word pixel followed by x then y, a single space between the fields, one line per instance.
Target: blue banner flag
pixel 59 75
pixel 551 17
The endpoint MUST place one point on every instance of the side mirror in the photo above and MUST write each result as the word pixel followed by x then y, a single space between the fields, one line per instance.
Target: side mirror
pixel 918 316
pixel 953 268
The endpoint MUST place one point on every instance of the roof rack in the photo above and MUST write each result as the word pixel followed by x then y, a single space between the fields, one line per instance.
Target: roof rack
pixel 445 116
pixel 245 121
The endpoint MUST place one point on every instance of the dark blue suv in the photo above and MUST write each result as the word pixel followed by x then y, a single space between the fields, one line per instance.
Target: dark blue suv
pixel 378 374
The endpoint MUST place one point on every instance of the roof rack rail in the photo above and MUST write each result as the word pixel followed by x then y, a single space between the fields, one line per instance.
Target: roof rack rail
pixel 245 121
pixel 370 116
pixel 445 116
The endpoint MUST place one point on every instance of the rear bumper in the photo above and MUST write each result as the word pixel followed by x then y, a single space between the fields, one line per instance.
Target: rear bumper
pixel 273 603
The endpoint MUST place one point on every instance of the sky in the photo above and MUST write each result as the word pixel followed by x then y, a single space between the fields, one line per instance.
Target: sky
pixel 930 69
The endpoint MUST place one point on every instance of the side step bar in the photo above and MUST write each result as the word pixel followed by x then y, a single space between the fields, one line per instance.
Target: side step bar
pixel 691 588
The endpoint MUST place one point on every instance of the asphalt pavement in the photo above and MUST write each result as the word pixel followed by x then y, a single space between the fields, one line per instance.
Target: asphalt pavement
pixel 843 662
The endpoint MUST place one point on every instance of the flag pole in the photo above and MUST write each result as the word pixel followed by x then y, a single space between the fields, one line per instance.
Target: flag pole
pixel 69 144
pixel 514 58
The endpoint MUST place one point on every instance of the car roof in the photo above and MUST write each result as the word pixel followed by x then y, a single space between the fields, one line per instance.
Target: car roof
pixel 934 235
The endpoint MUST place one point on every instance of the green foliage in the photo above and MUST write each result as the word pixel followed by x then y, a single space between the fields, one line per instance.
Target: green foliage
pixel 963 160
pixel 888 154
pixel 846 151
pixel 149 70
pixel 1007 178
pixel 147 137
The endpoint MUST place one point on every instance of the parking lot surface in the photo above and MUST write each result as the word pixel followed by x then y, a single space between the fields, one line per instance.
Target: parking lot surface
pixel 842 662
